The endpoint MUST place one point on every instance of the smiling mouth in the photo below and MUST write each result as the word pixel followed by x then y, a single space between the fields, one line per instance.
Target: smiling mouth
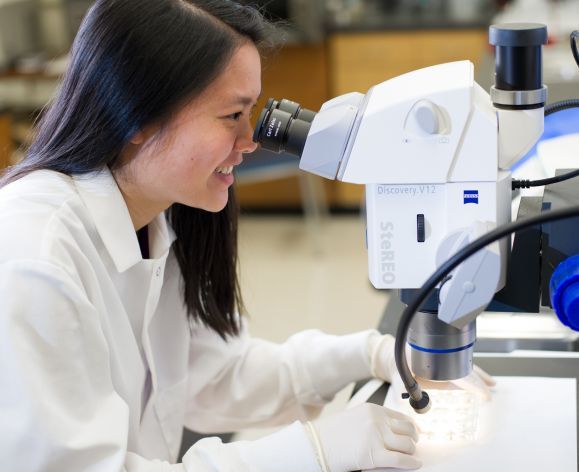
pixel 224 170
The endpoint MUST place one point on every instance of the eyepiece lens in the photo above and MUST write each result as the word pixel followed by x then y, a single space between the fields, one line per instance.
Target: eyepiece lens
pixel 274 130
pixel 280 127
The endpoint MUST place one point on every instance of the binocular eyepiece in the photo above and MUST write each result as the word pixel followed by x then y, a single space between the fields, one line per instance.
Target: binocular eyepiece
pixel 283 126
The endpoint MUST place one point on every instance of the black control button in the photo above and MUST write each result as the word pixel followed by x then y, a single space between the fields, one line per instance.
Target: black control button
pixel 420 229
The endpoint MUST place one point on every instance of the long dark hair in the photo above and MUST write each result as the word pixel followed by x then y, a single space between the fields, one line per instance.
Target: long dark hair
pixel 134 63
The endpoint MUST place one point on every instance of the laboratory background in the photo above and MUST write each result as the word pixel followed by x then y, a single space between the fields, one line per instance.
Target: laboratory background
pixel 303 240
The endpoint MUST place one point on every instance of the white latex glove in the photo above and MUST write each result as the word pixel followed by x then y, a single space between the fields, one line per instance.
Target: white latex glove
pixel 383 366
pixel 364 437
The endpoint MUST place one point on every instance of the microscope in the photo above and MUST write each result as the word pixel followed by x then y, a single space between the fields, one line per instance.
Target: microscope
pixel 434 151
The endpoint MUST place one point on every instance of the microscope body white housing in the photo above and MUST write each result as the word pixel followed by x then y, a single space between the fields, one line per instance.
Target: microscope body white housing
pixel 434 155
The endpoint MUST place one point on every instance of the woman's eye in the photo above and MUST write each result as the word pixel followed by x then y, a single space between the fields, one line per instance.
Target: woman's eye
pixel 235 116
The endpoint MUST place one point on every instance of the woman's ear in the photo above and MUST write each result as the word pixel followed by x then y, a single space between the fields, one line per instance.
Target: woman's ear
pixel 144 134
pixel 138 138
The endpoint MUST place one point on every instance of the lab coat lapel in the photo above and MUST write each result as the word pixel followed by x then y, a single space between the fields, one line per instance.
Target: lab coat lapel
pixel 108 209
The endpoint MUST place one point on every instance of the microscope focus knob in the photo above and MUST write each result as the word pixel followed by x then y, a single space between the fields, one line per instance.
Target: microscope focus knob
pixel 428 117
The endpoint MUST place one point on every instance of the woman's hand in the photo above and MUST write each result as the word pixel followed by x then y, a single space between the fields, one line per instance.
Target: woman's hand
pixel 367 436
pixel 383 366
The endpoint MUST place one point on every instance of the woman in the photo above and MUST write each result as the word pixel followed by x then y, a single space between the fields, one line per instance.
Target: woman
pixel 119 320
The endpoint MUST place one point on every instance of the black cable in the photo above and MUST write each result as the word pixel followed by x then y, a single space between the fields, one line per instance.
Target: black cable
pixel 574 36
pixel 515 184
pixel 412 387
pixel 561 105
pixel 549 110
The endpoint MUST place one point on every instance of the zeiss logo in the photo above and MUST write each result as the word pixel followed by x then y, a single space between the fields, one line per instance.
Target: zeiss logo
pixel 471 196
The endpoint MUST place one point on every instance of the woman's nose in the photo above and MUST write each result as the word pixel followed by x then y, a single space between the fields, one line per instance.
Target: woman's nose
pixel 250 146
pixel 245 142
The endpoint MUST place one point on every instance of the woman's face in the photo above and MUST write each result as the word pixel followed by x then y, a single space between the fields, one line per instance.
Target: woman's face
pixel 191 161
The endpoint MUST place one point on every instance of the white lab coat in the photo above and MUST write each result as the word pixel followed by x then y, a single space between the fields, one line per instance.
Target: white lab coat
pixel 83 318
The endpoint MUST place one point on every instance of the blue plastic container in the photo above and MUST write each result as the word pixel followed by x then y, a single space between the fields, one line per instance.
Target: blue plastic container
pixel 564 288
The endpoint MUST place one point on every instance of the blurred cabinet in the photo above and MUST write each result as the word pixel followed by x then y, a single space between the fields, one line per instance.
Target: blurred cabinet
pixel 358 61
pixel 6 144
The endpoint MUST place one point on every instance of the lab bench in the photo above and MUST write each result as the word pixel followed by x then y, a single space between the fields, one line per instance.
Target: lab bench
pixel 559 357
pixel 518 364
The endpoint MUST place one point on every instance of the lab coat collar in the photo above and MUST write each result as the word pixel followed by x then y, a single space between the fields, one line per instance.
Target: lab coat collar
pixel 108 209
